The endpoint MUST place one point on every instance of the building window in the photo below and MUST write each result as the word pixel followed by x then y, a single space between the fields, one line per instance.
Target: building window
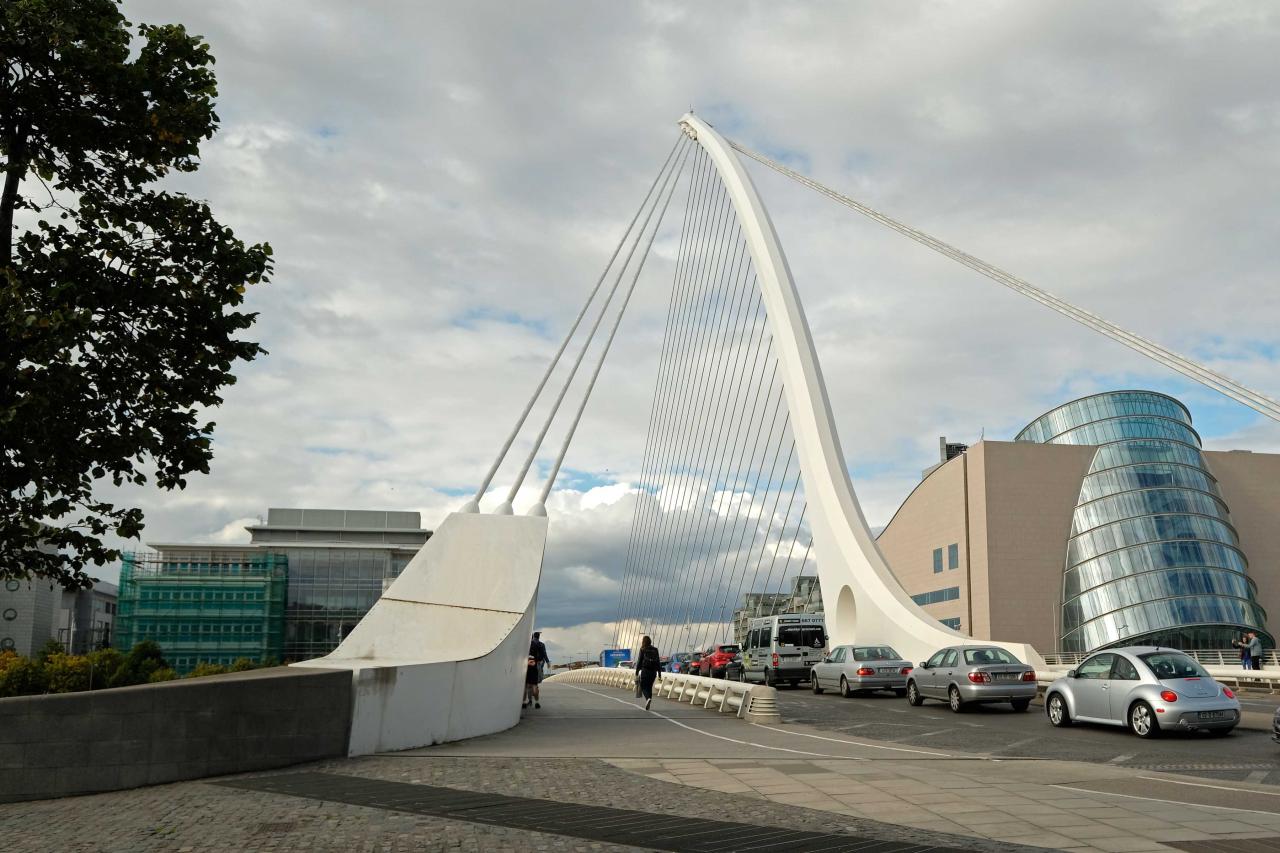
pixel 953 556
pixel 937 561
pixel 953 623
pixel 951 593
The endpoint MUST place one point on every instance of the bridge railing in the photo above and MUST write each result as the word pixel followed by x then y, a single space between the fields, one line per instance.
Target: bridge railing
pixel 1208 657
pixel 1222 664
pixel 754 703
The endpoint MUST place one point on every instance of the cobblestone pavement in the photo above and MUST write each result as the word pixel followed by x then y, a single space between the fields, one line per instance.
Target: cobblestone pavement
pixel 198 816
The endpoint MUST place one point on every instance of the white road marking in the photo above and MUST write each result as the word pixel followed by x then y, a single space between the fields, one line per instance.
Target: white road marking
pixel 1158 800
pixel 927 734
pixel 855 742
pixel 1120 759
pixel 721 737
pixel 1018 743
pixel 1215 787
pixel 1257 775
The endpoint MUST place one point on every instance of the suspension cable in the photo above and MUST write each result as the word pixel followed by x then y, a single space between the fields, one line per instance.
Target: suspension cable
pixel 1255 400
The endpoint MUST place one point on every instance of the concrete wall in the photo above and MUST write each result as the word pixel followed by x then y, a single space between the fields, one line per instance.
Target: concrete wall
pixel 932 517
pixel 1031 493
pixel 1008 505
pixel 106 740
pixel 1250 484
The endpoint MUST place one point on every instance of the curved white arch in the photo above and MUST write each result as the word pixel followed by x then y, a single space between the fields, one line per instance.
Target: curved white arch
pixel 877 608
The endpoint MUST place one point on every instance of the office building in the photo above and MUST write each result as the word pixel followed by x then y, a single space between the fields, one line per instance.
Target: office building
pixel 804 596
pixel 337 563
pixel 1103 523
pixel 214 606
pixel 86 618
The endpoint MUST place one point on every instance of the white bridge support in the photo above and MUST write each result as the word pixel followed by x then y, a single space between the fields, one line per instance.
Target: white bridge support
pixel 863 600
pixel 441 655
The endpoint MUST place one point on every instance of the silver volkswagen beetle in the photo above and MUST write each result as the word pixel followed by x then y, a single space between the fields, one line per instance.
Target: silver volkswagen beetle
pixel 972 675
pixel 1146 688
pixel 853 668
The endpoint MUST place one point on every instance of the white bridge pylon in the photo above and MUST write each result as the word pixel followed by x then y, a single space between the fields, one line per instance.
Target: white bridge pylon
pixel 864 602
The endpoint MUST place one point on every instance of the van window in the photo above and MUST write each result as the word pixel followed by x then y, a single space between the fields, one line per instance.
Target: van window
pixel 801 635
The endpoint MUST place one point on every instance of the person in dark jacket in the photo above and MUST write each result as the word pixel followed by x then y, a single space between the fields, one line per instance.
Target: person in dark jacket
pixel 647 665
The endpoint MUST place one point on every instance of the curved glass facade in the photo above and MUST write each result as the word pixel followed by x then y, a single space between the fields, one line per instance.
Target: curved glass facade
pixel 1152 556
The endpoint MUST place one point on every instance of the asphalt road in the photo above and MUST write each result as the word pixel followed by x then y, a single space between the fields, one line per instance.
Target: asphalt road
pixel 1244 755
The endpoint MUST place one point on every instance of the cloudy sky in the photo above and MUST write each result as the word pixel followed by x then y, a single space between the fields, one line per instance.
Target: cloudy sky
pixel 442 184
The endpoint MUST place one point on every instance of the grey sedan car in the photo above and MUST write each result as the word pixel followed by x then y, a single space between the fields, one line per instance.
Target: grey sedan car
pixel 1146 688
pixel 853 668
pixel 971 675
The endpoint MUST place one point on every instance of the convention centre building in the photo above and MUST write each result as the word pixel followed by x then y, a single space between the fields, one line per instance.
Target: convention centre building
pixel 1103 523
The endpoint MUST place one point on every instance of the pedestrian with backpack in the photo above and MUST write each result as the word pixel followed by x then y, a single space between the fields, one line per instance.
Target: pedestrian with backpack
pixel 648 663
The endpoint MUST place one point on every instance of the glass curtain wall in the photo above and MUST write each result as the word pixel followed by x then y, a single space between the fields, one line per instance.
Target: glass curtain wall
pixel 1152 556
pixel 330 590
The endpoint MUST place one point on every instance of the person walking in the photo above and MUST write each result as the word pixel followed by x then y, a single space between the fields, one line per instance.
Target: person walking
pixel 538 649
pixel 647 665
pixel 1255 650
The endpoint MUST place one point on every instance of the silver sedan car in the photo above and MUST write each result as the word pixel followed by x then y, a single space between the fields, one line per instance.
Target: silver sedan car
pixel 1146 688
pixel 972 675
pixel 853 668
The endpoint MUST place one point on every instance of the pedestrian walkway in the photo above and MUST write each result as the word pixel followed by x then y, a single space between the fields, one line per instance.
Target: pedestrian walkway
pixel 1056 804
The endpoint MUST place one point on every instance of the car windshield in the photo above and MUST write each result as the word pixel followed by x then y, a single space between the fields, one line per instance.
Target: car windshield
pixel 874 653
pixel 730 650
pixel 801 635
pixel 979 657
pixel 1168 665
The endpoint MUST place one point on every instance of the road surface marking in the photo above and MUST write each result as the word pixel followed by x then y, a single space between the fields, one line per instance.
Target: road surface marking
pixel 1158 800
pixel 1120 759
pixel 855 742
pixel 1215 787
pixel 721 737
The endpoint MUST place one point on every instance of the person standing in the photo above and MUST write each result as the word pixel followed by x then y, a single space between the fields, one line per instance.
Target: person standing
pixel 1255 649
pixel 531 684
pixel 1246 659
pixel 647 665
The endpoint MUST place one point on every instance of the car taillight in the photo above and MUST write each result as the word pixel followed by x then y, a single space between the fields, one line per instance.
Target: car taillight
pixel 775 659
pixel 1168 696
pixel 1226 691
pixel 866 670
pixel 1029 676
pixel 906 670
pixel 979 677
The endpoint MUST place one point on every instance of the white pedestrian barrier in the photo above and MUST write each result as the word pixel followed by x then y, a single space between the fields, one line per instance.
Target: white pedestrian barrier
pixel 754 703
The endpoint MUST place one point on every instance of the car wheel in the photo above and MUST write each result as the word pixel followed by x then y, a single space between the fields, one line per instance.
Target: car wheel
pixel 899 692
pixel 954 700
pixel 814 678
pixel 1142 721
pixel 1056 710
pixel 844 688
pixel 913 695
pixel 1021 704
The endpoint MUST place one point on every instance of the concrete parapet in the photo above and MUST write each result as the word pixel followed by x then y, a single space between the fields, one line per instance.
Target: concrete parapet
pixel 106 740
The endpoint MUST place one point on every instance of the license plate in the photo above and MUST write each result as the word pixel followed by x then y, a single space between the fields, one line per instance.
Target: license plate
pixel 1212 715
pixel 888 670
pixel 1007 676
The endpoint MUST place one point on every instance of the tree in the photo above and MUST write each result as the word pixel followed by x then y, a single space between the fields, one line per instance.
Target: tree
pixel 118 326
pixel 143 661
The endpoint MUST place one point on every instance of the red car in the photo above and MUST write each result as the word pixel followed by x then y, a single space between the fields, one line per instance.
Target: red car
pixel 717 658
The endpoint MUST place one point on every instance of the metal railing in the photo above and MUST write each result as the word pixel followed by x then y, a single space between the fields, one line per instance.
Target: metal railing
pixel 755 703
pixel 1208 657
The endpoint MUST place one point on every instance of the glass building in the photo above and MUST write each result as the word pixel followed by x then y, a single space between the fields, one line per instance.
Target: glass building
pixel 1152 556
pixel 214 606
pixel 339 562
